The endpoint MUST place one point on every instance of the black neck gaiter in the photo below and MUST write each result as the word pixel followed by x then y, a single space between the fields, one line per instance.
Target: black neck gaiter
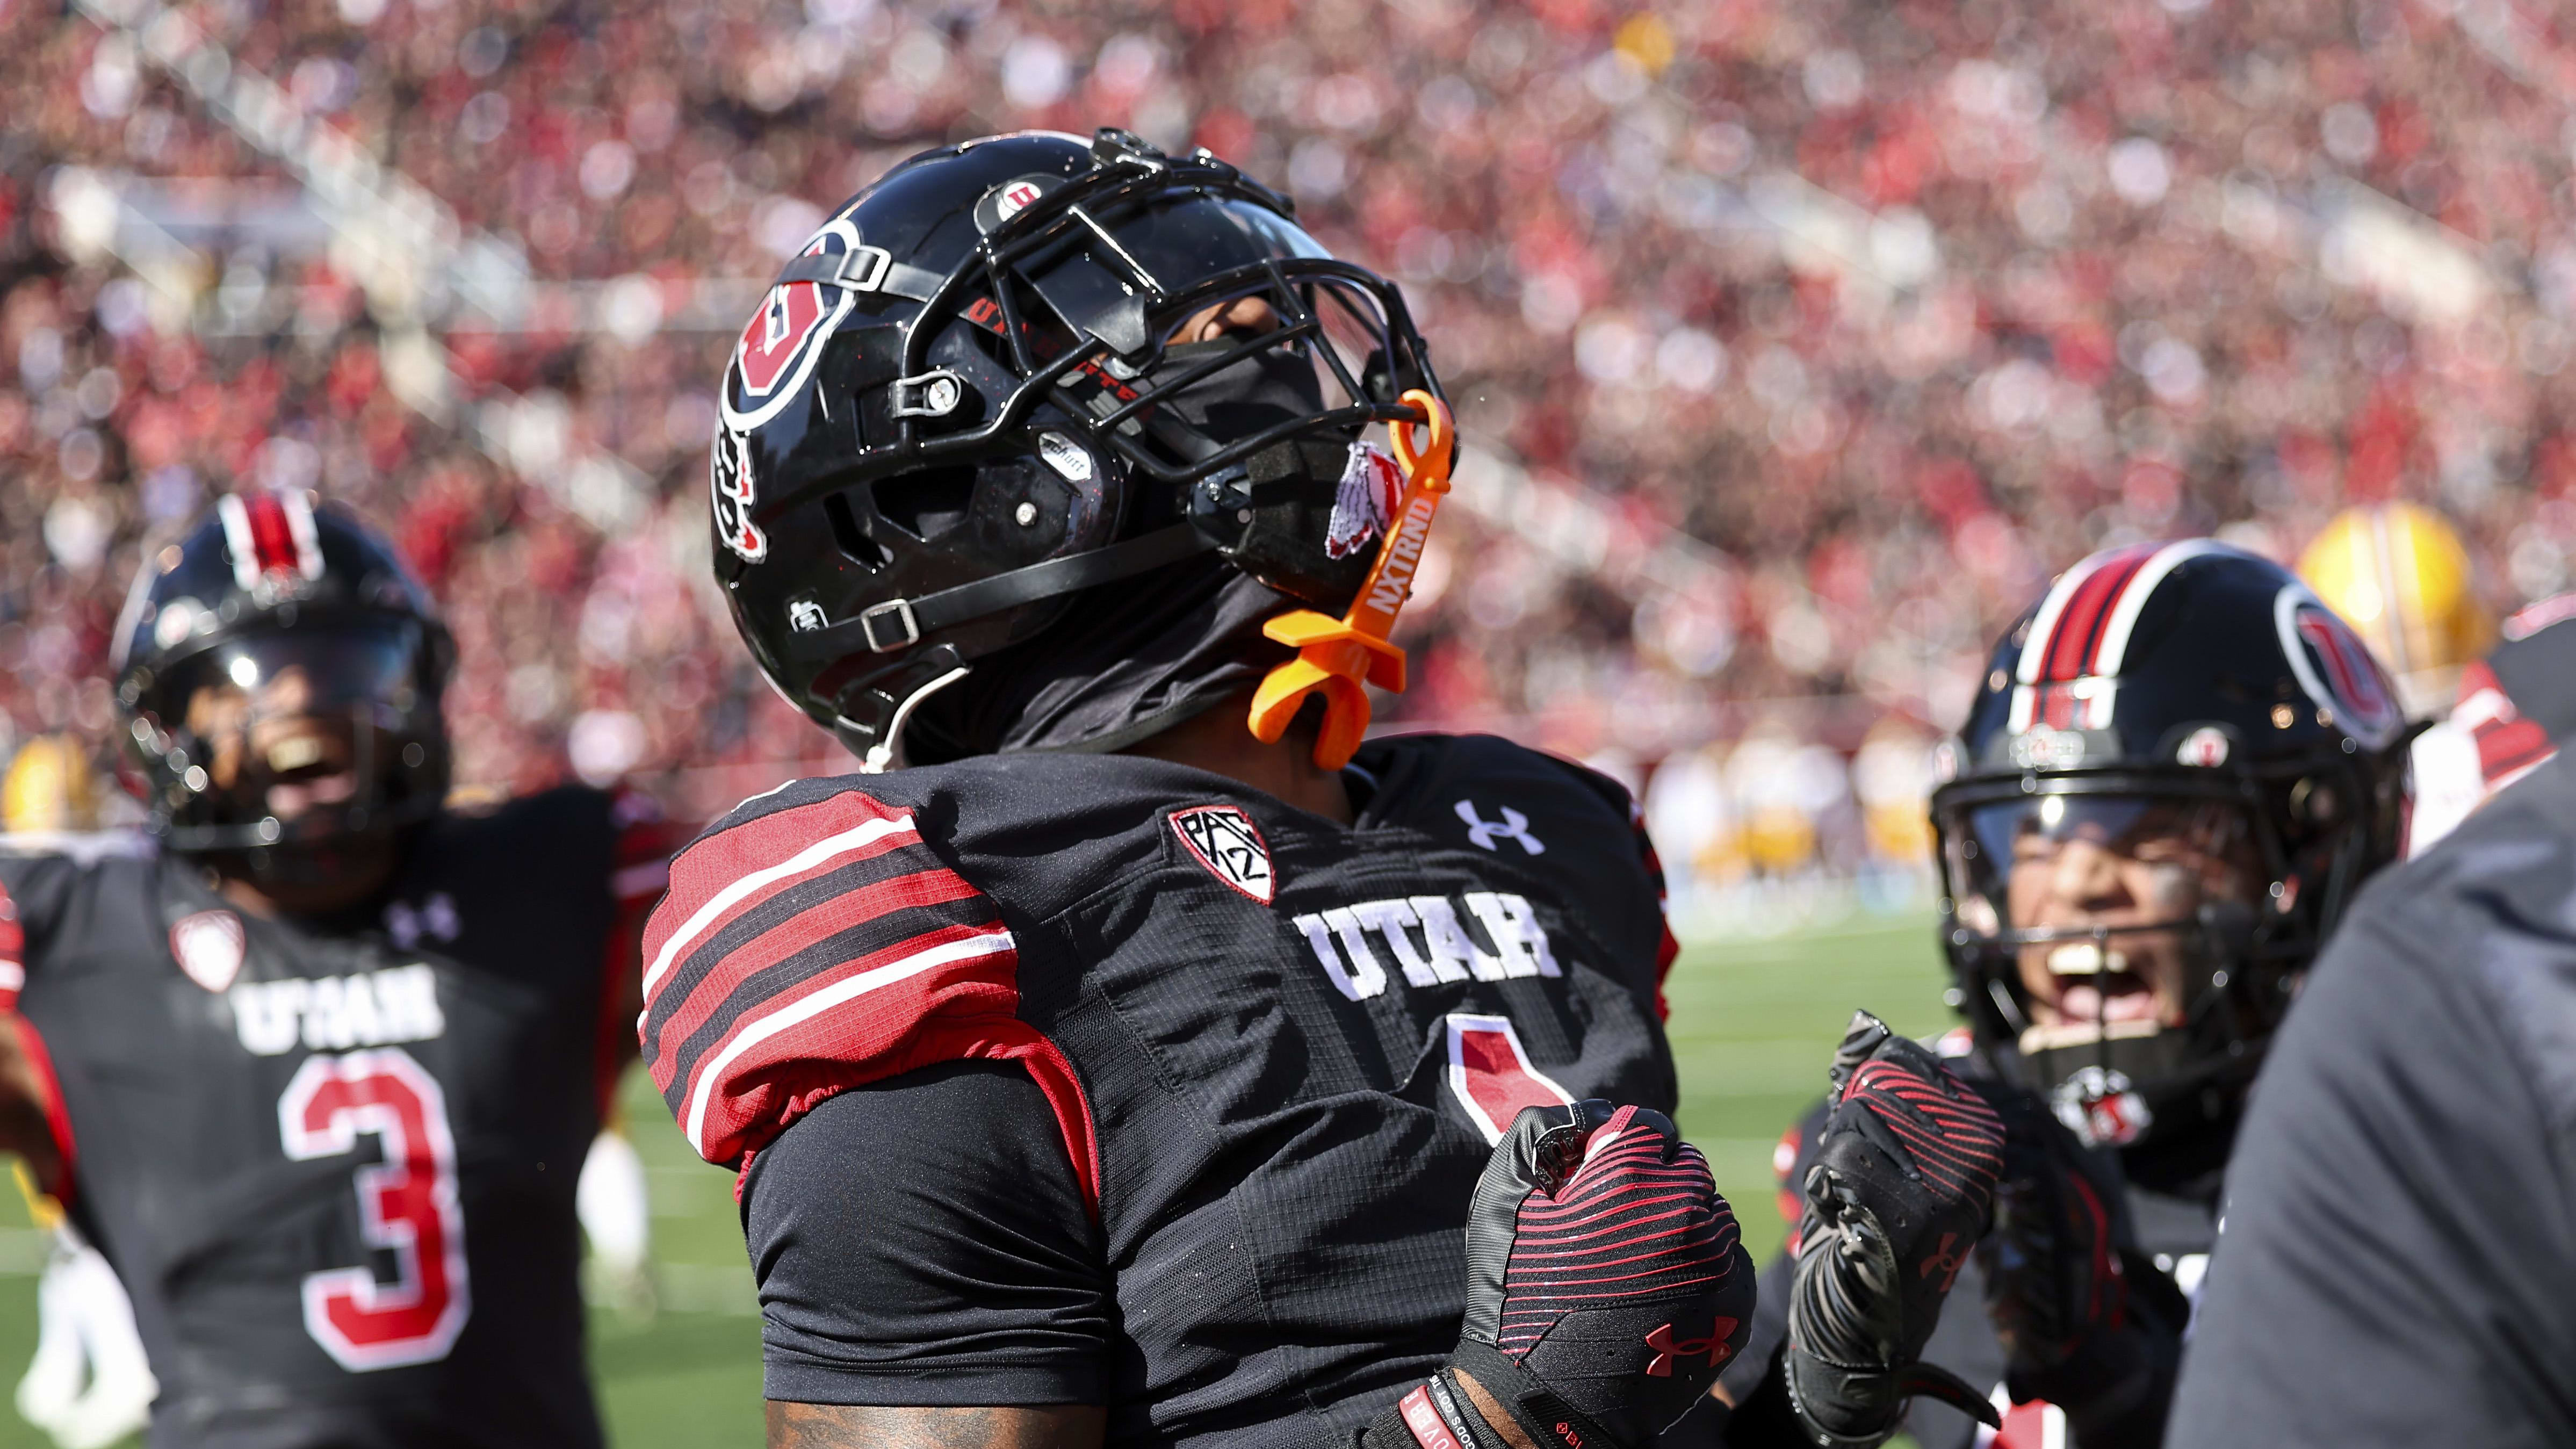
pixel 1128 660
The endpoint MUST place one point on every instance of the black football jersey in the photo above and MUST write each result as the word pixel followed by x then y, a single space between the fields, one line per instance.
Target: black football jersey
pixel 334 1162
pixel 1277 1050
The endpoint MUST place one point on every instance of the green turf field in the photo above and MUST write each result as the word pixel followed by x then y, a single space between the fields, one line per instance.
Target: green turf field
pixel 1754 1023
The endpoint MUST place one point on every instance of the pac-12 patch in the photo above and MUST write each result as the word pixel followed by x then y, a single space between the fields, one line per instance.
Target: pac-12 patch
pixel 1227 842
pixel 209 946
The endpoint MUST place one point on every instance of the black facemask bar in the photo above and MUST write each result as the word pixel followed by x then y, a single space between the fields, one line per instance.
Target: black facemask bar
pixel 1130 175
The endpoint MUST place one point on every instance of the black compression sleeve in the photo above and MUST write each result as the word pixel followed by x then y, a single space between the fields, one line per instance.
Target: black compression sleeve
pixel 923 1242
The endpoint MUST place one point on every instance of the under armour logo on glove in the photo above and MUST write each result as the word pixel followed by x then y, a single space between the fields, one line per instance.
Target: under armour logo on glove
pixel 1947 1259
pixel 1514 826
pixel 1666 1349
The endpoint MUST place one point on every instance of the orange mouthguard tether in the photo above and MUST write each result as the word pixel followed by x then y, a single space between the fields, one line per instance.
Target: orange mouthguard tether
pixel 1334 656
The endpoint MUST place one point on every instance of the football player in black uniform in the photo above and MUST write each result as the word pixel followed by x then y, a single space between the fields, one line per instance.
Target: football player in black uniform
pixel 2178 771
pixel 1117 1060
pixel 319 1075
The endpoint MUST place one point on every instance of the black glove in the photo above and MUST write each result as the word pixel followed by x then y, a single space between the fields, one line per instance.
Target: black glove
pixel 2085 1323
pixel 1606 1284
pixel 1901 1189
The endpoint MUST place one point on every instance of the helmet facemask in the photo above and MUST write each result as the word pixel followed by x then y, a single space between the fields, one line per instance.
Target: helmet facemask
pixel 2131 938
pixel 291 750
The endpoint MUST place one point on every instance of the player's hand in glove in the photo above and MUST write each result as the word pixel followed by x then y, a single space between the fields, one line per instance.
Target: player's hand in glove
pixel 88 1385
pixel 2081 1326
pixel 1901 1188
pixel 1606 1284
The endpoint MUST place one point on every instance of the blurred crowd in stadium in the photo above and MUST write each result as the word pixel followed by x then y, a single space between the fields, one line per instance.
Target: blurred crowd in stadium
pixel 1810 338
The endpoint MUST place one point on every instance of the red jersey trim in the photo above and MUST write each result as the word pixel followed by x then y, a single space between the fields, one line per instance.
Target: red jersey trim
pixel 13 947
pixel 58 1118
pixel 1668 949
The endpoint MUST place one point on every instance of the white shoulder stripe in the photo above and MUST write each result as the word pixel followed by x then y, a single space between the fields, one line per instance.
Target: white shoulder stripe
pixel 805 1008
pixel 855 838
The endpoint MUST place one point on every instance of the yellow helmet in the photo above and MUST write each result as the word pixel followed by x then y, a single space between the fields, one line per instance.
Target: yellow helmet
pixel 49 787
pixel 2398 573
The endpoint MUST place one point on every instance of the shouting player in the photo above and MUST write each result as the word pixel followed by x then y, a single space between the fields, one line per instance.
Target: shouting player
pixel 319 1075
pixel 2178 770
pixel 1122 1067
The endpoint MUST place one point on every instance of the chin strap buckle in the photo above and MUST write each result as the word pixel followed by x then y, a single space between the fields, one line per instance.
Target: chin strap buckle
pixel 1338 657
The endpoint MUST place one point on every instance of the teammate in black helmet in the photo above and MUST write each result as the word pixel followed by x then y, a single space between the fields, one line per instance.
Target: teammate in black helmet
pixel 1151 1061
pixel 2179 769
pixel 318 1075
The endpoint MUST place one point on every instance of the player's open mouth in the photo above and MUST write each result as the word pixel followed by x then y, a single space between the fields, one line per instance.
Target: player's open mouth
pixel 306 768
pixel 2095 984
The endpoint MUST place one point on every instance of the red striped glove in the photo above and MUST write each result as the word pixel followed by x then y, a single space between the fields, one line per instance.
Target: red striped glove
pixel 1606 1284
pixel 1902 1188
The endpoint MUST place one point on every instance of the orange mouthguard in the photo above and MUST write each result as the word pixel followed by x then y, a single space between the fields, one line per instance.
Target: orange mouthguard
pixel 1335 656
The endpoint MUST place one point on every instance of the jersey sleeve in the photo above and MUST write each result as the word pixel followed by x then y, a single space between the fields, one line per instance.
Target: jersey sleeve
pixel 642 842
pixel 923 1241
pixel 34 894
pixel 2398 1228
pixel 640 859
pixel 1667 947
pixel 13 947
pixel 814 941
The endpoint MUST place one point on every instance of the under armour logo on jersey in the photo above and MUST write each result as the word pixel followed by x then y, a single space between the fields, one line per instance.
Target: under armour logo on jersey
pixel 1514 826
pixel 434 918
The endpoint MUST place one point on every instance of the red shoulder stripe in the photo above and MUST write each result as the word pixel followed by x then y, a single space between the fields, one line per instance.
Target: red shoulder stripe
pixel 727 873
pixel 858 1018
pixel 823 946
pixel 728 982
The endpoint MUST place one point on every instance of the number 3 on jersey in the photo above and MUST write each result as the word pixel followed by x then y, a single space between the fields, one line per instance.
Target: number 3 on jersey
pixel 407 1203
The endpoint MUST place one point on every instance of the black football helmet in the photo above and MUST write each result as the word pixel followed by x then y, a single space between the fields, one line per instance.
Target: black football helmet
pixel 964 403
pixel 267 610
pixel 2179 692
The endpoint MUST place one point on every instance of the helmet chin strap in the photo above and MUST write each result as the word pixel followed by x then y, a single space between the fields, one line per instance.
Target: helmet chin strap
pixel 1337 658
pixel 887 752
